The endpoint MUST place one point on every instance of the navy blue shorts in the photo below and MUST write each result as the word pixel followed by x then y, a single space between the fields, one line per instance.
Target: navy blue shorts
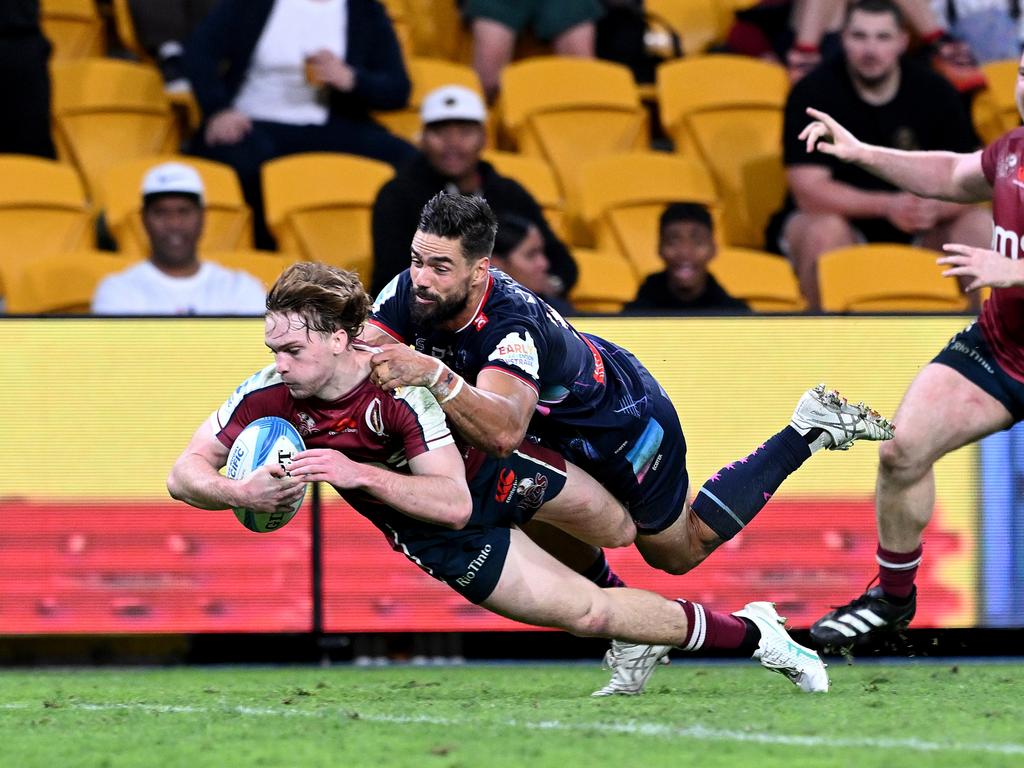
pixel 645 468
pixel 969 355
pixel 506 492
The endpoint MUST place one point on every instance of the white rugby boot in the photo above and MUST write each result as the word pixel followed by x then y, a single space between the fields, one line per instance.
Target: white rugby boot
pixel 843 423
pixel 631 665
pixel 777 651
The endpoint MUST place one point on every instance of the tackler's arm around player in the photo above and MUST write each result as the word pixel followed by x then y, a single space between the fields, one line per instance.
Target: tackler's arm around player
pixel 950 176
pixel 987 267
pixel 196 480
pixel 493 415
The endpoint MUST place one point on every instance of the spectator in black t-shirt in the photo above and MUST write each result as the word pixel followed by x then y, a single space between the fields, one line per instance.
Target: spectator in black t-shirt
pixel 885 102
pixel 453 137
pixel 686 243
pixel 24 81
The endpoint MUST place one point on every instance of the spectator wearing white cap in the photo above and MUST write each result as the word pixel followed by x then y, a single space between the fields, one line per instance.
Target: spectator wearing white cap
pixel 173 281
pixel 451 142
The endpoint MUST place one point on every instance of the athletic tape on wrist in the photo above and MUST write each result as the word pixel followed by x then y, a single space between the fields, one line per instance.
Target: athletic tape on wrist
pixel 437 374
pixel 455 390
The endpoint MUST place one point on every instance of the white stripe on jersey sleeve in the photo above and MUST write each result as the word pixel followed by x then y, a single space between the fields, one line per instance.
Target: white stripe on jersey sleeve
pixel 268 377
pixel 429 414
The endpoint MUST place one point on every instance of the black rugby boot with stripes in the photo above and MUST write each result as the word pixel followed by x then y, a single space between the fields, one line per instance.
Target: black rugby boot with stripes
pixel 865 618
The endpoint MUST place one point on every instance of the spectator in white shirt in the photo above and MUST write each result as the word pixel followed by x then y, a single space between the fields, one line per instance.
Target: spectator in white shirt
pixel 173 281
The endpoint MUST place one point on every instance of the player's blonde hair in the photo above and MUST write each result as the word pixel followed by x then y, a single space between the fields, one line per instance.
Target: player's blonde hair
pixel 327 298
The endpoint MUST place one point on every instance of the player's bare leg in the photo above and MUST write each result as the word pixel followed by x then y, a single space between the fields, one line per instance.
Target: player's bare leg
pixel 586 511
pixel 537 589
pixel 940 412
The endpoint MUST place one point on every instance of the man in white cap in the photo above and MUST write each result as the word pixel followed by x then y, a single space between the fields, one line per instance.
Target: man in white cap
pixel 452 139
pixel 173 281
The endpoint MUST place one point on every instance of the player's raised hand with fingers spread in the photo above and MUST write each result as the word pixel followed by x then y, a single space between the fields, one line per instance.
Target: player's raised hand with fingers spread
pixel 830 138
pixel 270 489
pixel 987 267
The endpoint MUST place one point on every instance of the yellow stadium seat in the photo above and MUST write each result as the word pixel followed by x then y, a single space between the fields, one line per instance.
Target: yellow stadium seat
pixel 57 283
pixel 538 179
pixel 606 281
pixel 42 210
pixel 265 265
pixel 569 110
pixel 994 109
pixel 426 75
pixel 699 23
pixel 228 220
pixel 728 110
pixel 438 30
pixel 883 277
pixel 124 24
pixel 74 27
pixel 623 195
pixel 319 204
pixel 764 280
pixel 106 111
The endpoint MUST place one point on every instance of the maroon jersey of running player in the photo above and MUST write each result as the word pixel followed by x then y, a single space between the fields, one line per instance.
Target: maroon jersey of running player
pixel 366 424
pixel 1002 316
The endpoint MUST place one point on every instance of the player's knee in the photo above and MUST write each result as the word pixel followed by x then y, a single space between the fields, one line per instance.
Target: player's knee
pixel 624 536
pixel 594 622
pixel 900 461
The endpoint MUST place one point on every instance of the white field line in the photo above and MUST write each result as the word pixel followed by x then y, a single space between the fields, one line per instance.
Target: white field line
pixel 660 730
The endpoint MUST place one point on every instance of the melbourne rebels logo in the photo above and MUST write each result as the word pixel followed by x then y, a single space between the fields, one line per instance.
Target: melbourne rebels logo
pixel 532 492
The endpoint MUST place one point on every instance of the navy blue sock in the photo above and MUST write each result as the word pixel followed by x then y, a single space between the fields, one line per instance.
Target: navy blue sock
pixel 601 573
pixel 736 493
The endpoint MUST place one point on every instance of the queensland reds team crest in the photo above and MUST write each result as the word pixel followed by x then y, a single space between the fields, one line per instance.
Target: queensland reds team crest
pixel 374 420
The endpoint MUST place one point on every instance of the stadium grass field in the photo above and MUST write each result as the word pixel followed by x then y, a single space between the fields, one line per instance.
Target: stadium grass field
pixel 948 714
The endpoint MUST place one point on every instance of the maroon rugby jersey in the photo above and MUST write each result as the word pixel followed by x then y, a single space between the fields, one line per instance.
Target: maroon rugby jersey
pixel 367 425
pixel 1002 316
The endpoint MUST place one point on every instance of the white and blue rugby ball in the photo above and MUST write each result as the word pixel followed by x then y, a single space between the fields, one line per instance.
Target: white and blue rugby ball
pixel 269 440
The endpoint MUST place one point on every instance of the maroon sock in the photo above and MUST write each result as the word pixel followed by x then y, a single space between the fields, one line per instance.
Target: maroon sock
pixel 897 571
pixel 709 629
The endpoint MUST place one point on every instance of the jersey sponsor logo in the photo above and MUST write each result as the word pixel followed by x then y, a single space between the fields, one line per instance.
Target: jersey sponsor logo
pixel 1007 163
pixel 598 362
pixel 374 419
pixel 532 492
pixel 480 321
pixel 307 425
pixel 344 424
pixel 1006 242
pixel 506 482
pixel 518 351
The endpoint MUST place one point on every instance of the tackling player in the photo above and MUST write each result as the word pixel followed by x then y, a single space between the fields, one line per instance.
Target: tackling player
pixel 972 388
pixel 494 355
pixel 392 457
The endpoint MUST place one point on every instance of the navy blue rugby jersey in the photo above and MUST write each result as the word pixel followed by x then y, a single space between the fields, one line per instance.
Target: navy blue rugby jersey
pixel 580 379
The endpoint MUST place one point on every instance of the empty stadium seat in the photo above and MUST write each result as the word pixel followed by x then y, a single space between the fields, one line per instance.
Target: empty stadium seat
pixel 106 111
pixel 228 220
pixel 569 110
pixel 265 265
pixel 765 281
pixel 538 179
pixel 426 75
pixel 727 110
pixel 623 195
pixel 73 27
pixel 42 210
pixel 885 277
pixel 994 109
pixel 606 281
pixel 699 23
pixel 60 283
pixel 318 204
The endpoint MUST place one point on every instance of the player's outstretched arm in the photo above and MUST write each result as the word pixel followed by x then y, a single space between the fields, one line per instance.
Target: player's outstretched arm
pixel 195 479
pixel 951 176
pixel 435 492
pixel 492 415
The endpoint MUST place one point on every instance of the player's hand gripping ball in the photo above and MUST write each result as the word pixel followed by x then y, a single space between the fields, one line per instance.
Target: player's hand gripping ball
pixel 269 440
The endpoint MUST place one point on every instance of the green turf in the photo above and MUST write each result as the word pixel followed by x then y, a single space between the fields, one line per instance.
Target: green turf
pixel 535 716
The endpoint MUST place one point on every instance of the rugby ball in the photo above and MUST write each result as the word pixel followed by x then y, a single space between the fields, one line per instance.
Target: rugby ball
pixel 269 440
